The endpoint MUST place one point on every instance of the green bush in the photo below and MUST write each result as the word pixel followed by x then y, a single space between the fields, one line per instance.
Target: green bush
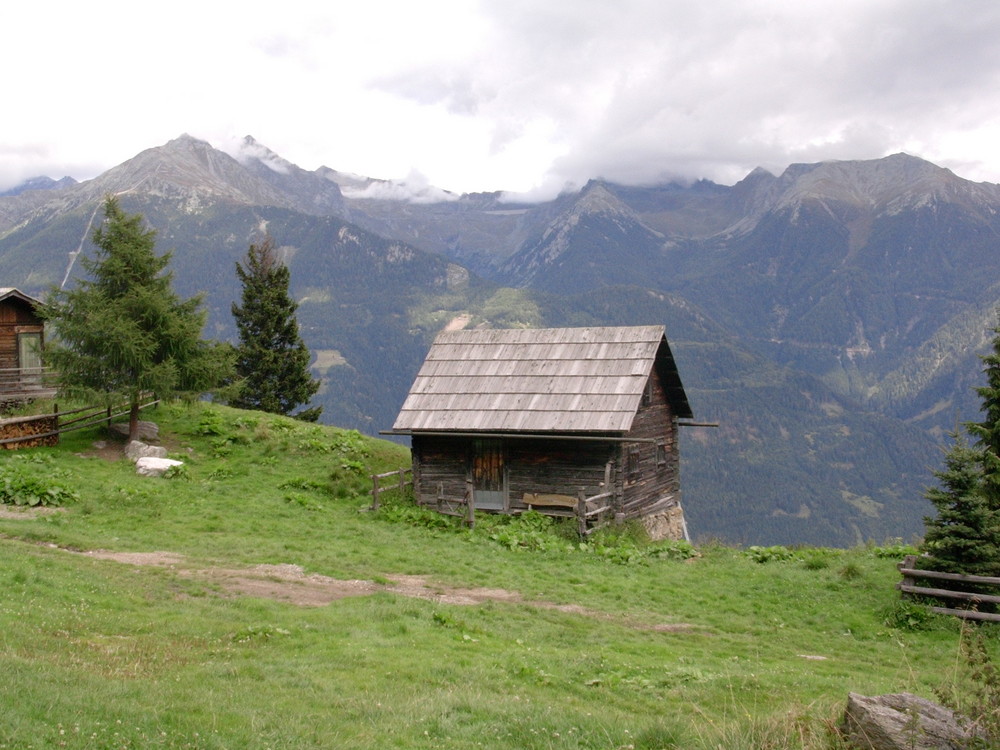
pixel 33 481
pixel 776 553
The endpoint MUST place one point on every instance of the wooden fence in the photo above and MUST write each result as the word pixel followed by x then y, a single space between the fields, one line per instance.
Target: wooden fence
pixel 45 429
pixel 590 512
pixel 20 384
pixel 953 587
pixel 378 487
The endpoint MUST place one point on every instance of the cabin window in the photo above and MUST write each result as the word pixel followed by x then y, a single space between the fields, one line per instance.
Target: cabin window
pixel 632 463
pixel 661 453
pixel 647 393
pixel 29 352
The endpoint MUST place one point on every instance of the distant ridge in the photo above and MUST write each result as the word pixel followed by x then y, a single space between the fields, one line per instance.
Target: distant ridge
pixel 828 317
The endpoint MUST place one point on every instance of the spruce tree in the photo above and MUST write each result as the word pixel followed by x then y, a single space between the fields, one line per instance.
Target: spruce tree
pixel 964 537
pixel 121 332
pixel 987 432
pixel 272 361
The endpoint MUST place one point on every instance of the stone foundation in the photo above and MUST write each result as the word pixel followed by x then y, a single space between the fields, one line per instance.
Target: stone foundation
pixel 666 525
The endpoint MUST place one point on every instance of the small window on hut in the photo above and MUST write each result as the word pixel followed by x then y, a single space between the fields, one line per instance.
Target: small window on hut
pixel 661 454
pixel 647 393
pixel 632 463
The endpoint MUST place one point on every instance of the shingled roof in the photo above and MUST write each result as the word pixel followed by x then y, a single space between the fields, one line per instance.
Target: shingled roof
pixel 10 292
pixel 564 380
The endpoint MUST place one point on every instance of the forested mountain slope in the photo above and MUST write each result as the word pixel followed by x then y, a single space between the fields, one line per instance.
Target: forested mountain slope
pixel 828 318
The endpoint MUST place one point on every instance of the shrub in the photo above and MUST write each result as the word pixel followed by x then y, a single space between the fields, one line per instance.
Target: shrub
pixel 974 693
pixel 776 553
pixel 23 484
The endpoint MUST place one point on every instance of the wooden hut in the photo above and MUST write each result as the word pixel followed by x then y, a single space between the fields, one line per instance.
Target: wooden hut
pixel 518 419
pixel 22 339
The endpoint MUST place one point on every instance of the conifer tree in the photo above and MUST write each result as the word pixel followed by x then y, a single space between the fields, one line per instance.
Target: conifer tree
pixel 987 432
pixel 964 537
pixel 272 361
pixel 122 332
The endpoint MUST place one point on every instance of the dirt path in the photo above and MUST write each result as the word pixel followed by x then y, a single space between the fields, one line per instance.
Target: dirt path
pixel 289 583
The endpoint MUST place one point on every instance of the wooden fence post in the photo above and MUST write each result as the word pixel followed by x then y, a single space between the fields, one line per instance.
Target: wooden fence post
pixel 616 499
pixel 375 491
pixel 470 504
pixel 581 513
pixel 908 563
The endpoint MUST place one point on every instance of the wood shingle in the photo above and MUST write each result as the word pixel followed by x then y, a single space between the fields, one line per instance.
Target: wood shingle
pixel 559 380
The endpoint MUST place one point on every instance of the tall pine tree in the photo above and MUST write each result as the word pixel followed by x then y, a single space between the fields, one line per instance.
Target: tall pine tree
pixel 122 332
pixel 272 361
pixel 964 537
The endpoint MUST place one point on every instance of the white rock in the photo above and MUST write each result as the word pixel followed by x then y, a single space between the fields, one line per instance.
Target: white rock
pixel 152 466
pixel 137 449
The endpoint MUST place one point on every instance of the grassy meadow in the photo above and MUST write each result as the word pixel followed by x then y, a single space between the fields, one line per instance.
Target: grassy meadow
pixel 615 643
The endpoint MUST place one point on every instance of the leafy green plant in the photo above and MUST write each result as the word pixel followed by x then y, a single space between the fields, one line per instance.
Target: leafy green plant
pixel 24 481
pixel 415 515
pixel 894 551
pixel 178 471
pixel 974 692
pixel 913 615
pixel 671 549
pixel 301 483
pixel 303 501
pixel 259 633
pixel 211 423
pixel 353 465
pixel 777 553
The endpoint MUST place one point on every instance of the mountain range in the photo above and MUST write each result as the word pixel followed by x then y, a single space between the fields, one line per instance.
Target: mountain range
pixel 828 318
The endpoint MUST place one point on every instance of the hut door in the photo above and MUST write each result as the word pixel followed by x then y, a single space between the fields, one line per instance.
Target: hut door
pixel 29 357
pixel 488 474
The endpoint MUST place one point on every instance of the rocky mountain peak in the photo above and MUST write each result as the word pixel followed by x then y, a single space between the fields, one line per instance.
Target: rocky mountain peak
pixel 596 198
pixel 252 153
pixel 882 185
pixel 189 169
pixel 39 183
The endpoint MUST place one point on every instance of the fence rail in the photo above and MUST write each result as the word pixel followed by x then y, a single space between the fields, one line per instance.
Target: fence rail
pixel 25 383
pixel 586 511
pixel 400 484
pixel 958 591
pixel 87 416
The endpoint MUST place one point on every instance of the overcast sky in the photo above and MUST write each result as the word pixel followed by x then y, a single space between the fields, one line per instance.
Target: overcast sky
pixel 518 95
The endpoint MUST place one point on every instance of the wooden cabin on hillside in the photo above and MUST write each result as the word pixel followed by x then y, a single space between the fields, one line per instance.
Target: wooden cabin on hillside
pixel 22 340
pixel 518 419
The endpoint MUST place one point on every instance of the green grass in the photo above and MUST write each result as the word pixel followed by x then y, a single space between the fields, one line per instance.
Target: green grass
pixel 615 644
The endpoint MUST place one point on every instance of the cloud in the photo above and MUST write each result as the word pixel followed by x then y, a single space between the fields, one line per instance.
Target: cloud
pixel 519 95
pixel 414 189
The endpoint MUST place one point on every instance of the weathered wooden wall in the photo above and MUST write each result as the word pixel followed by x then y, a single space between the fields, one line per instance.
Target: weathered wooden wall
pixel 649 475
pixel 555 467
pixel 16 316
pixel 531 466
pixel 439 462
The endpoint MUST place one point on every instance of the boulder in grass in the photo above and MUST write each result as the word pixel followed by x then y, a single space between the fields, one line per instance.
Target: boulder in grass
pixel 137 449
pixel 901 721
pixel 147 430
pixel 151 466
